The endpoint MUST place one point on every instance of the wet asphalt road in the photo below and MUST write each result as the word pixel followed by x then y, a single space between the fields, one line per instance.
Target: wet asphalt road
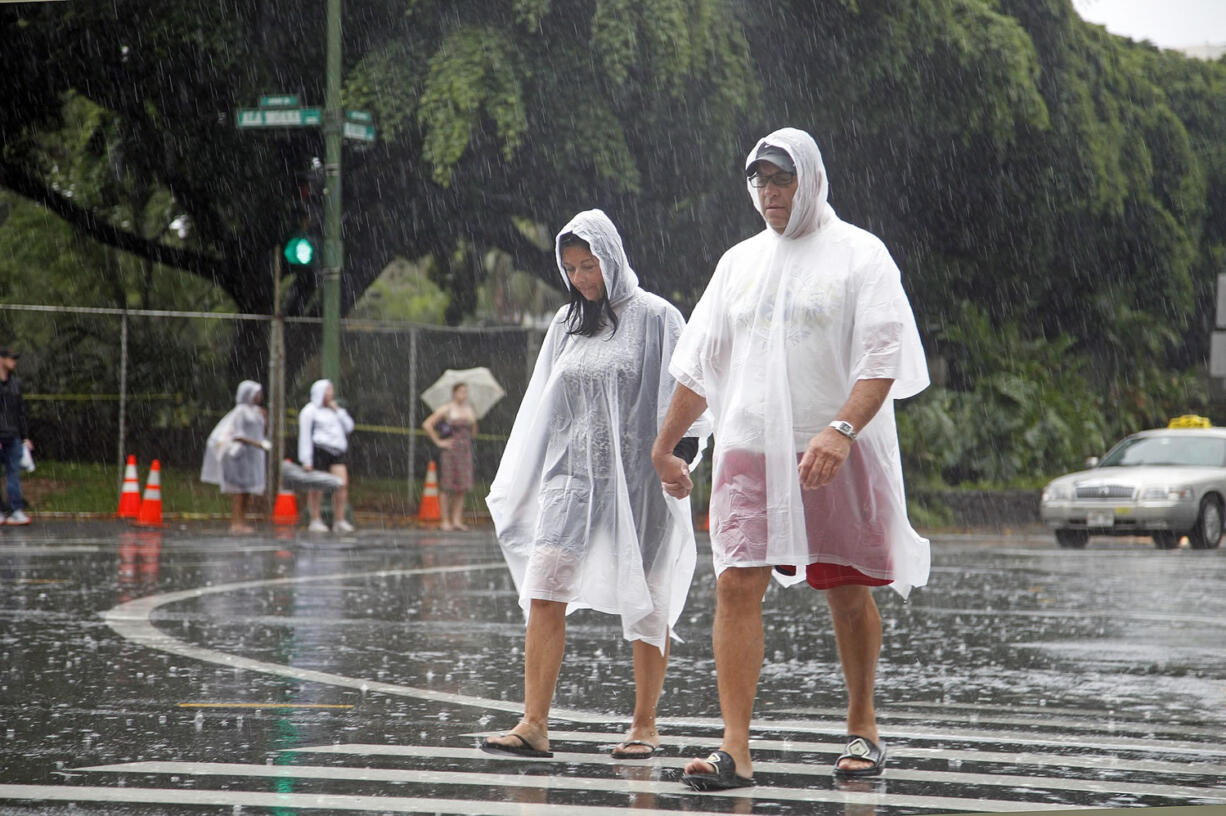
pixel 187 671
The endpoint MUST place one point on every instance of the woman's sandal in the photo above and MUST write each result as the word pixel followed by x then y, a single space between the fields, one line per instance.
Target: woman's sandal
pixel 524 749
pixel 724 777
pixel 865 749
pixel 619 751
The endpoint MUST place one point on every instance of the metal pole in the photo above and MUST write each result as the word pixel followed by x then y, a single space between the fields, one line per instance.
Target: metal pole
pixel 333 248
pixel 123 393
pixel 412 415
pixel 276 379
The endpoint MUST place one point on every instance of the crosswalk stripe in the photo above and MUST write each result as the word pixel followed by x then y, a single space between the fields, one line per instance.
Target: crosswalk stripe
pixel 835 748
pixel 810 769
pixel 556 783
pixel 1084 721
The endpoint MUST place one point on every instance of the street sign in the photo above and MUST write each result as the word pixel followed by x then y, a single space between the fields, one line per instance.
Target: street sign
pixel 279 117
pixel 280 101
pixel 359 116
pixel 363 133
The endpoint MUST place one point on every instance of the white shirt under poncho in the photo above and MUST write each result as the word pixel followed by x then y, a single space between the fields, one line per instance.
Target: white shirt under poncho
pixel 786 327
pixel 577 505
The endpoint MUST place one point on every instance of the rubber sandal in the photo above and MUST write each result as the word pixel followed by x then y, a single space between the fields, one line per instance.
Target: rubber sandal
pixel 724 778
pixel 524 749
pixel 618 753
pixel 861 748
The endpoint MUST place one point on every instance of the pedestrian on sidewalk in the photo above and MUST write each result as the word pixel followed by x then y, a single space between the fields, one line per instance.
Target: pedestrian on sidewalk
pixel 15 442
pixel 800 344
pixel 323 442
pixel 452 428
pixel 578 509
pixel 236 451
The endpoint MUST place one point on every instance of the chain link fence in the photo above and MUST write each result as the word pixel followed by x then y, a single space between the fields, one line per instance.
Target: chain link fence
pixel 101 384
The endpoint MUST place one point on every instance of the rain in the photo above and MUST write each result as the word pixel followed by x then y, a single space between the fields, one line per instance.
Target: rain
pixel 194 197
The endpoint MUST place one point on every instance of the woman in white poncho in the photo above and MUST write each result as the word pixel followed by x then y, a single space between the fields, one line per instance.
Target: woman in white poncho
pixel 234 456
pixel 579 512
pixel 799 346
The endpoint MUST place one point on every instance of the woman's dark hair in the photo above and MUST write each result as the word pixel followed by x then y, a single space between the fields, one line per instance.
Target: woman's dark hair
pixel 584 316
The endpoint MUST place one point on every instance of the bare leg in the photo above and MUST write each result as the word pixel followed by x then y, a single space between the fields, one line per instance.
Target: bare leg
pixel 650 666
pixel 457 511
pixel 444 507
pixel 340 496
pixel 314 501
pixel 238 514
pixel 857 630
pixel 543 648
pixel 738 659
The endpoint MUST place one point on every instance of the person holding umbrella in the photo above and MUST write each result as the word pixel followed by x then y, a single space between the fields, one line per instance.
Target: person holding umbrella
pixel 580 514
pixel 452 428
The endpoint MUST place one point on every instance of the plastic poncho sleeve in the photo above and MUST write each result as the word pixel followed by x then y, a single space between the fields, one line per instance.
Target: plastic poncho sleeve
pixel 885 340
pixel 306 447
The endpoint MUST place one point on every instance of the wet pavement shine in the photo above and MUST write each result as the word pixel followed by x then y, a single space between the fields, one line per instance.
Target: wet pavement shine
pixel 188 671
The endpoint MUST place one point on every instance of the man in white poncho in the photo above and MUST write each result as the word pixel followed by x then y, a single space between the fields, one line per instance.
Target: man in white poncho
pixel 576 502
pixel 799 346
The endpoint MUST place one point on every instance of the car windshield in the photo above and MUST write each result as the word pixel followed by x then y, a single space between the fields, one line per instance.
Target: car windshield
pixel 1173 449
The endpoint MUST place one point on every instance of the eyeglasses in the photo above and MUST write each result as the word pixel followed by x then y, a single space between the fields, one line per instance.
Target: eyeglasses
pixel 780 179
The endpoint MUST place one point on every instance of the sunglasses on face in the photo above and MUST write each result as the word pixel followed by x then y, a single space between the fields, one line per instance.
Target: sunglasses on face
pixel 780 179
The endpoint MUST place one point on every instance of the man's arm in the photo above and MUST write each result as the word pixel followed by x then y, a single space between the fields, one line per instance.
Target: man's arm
pixel 686 406
pixel 828 450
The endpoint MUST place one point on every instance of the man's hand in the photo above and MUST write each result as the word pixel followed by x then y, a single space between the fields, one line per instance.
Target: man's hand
pixel 29 443
pixel 674 474
pixel 823 457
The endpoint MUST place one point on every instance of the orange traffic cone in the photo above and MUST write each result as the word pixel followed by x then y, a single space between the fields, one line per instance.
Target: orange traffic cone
pixel 129 498
pixel 285 510
pixel 429 510
pixel 150 513
pixel 704 523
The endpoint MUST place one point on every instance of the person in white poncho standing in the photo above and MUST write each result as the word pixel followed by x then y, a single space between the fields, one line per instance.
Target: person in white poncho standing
pixel 799 346
pixel 578 508
pixel 234 456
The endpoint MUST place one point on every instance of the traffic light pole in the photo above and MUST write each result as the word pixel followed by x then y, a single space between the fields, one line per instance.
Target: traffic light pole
pixel 334 251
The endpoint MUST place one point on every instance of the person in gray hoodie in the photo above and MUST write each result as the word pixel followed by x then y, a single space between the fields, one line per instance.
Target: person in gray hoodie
pixel 323 442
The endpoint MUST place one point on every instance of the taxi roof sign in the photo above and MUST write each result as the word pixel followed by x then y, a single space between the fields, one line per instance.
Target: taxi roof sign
pixel 1190 421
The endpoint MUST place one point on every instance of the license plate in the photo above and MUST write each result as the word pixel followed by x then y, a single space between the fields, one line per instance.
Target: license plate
pixel 1102 519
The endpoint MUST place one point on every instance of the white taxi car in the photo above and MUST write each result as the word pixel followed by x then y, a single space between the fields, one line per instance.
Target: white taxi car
pixel 1165 483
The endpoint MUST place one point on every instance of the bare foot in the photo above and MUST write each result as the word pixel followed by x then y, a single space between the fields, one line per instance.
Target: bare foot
pixel 744 766
pixel 463 527
pixel 445 527
pixel 241 529
pixel 537 738
pixel 638 735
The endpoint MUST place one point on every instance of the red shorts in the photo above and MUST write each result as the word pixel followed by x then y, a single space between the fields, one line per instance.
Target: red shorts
pixel 827 576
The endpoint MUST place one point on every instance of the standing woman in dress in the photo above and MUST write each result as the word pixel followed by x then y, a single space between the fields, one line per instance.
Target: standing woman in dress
pixel 456 457
pixel 580 515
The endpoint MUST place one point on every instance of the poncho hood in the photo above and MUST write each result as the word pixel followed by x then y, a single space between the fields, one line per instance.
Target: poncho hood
pixel 810 207
pixel 598 230
pixel 247 392
pixel 318 389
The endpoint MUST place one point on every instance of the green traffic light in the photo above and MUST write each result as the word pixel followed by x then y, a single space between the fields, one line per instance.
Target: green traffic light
pixel 299 251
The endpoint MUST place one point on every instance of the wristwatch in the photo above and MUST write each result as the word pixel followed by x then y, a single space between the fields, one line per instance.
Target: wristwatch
pixel 844 427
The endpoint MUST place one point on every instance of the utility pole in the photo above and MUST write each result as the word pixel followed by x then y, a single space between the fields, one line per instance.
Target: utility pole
pixel 334 250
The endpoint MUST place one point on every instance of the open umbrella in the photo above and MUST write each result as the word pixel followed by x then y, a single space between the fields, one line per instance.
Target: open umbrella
pixel 483 389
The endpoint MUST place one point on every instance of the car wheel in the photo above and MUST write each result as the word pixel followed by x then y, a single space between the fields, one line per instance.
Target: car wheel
pixel 1072 539
pixel 1166 540
pixel 1208 530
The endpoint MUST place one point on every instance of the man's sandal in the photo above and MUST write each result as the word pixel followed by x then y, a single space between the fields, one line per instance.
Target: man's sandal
pixel 865 749
pixel 724 777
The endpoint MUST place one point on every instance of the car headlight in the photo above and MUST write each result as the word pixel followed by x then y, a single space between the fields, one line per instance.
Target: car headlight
pixel 1057 492
pixel 1166 493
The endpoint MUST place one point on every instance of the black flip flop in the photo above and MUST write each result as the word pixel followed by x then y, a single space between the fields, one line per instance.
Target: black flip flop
pixel 724 777
pixel 618 753
pixel 861 748
pixel 524 749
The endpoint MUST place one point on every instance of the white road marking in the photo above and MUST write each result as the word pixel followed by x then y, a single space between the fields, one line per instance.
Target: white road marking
pixel 559 783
